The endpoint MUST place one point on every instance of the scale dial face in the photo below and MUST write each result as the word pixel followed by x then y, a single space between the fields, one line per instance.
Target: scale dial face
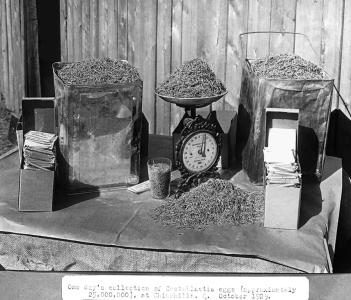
pixel 199 151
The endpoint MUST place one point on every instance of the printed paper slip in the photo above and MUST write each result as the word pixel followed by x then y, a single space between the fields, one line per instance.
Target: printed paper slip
pixel 82 287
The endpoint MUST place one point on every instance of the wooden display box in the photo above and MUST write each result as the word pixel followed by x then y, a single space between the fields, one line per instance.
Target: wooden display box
pixel 37 187
pixel 282 203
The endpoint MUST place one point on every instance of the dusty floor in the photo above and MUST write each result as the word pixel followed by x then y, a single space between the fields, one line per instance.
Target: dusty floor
pixel 5 116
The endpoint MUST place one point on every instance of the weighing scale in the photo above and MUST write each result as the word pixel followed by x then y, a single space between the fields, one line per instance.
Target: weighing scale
pixel 197 142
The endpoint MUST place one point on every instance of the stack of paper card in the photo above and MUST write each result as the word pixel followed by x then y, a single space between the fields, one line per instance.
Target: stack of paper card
pixel 280 157
pixel 281 173
pixel 39 150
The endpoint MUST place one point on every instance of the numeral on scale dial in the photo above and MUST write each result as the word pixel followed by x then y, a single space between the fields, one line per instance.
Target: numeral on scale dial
pixel 199 151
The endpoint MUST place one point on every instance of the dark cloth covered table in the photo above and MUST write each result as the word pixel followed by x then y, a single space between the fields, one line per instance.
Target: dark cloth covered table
pixel 112 230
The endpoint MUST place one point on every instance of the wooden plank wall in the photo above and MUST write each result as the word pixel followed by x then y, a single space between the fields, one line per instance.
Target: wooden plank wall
pixel 19 61
pixel 12 53
pixel 158 35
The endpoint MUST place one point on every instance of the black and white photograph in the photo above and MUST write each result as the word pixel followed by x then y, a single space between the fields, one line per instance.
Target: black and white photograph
pixel 175 149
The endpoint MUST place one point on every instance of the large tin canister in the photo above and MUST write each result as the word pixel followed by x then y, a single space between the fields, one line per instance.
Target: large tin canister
pixel 311 97
pixel 99 133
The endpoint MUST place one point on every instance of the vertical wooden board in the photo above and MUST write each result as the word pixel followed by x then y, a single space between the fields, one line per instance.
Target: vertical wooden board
pixel 194 32
pixel 17 62
pixel 103 28
pixel 134 34
pixel 163 63
pixel 142 18
pixel 70 35
pixel 86 47
pixel 190 29
pixel 63 30
pixel 23 54
pixel 77 29
pixel 202 34
pixel 1 56
pixel 345 70
pixel 331 40
pixel 2 46
pixel 283 15
pixel 177 8
pixel 18 36
pixel 31 51
pixel 309 21
pixel 4 52
pixel 211 38
pixel 221 48
pixel 148 56
pixel 112 7
pixel 206 32
pixel 94 28
pixel 237 23
pixel 11 59
pixel 258 20
pixel 122 31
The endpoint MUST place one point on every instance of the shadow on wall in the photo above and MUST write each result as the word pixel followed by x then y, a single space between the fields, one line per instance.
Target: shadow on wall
pixel 48 13
pixel 339 145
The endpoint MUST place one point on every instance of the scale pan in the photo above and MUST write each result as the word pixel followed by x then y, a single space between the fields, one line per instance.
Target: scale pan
pixel 192 102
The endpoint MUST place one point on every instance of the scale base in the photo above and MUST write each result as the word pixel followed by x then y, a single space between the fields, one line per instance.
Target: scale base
pixel 194 180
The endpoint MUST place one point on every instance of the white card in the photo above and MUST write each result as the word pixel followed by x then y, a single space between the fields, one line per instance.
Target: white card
pixel 277 156
pixel 282 139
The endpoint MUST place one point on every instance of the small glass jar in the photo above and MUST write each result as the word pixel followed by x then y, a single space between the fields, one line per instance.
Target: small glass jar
pixel 159 170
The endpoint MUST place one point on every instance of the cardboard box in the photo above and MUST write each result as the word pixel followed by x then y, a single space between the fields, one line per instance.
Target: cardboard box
pixel 282 207
pixel 282 199
pixel 37 187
